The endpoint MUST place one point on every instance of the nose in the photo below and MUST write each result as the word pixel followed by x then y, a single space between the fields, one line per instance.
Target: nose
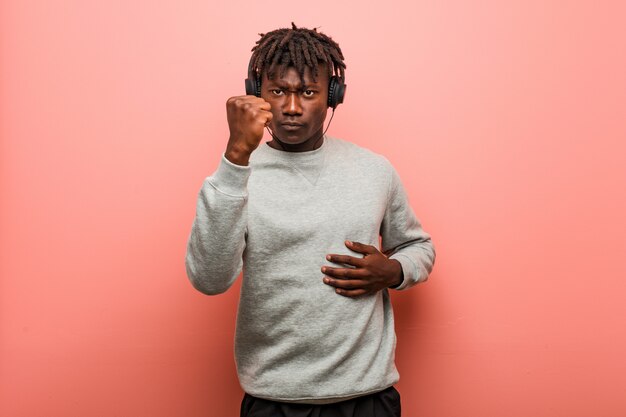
pixel 292 104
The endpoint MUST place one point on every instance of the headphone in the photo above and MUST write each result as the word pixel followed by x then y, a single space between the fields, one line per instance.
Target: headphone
pixel 336 87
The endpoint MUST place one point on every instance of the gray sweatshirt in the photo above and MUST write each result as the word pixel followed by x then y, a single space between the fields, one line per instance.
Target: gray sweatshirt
pixel 276 219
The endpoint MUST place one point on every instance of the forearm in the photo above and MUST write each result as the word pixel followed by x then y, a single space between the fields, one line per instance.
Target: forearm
pixel 403 237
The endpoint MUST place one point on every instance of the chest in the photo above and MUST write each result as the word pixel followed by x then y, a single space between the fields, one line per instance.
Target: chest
pixel 288 210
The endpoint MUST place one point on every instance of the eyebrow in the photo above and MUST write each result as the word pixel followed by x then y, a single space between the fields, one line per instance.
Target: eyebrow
pixel 282 84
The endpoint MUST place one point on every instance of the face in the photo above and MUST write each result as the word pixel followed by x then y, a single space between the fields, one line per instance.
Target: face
pixel 299 109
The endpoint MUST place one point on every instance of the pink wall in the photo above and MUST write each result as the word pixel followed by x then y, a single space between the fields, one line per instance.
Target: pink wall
pixel 505 120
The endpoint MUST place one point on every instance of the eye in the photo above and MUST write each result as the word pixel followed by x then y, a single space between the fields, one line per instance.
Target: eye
pixel 309 93
pixel 277 91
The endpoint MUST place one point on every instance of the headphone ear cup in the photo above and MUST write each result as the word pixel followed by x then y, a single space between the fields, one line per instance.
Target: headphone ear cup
pixel 332 85
pixel 336 91
pixel 250 87
pixel 253 87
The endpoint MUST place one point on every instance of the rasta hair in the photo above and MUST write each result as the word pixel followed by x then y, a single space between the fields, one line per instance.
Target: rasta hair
pixel 298 48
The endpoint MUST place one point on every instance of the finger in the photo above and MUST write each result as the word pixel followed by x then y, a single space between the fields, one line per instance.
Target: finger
pixel 251 98
pixel 345 259
pixel 361 247
pixel 343 273
pixel 266 116
pixel 264 105
pixel 350 284
pixel 351 293
pixel 252 101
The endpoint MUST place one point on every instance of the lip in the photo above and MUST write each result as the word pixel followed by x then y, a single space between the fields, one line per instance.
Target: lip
pixel 291 126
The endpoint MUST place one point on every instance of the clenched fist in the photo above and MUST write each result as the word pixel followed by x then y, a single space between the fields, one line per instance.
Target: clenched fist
pixel 247 117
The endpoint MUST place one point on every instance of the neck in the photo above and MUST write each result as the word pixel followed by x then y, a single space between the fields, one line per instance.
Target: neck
pixel 310 144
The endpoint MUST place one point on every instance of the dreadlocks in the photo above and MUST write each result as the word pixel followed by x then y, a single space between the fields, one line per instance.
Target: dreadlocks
pixel 299 48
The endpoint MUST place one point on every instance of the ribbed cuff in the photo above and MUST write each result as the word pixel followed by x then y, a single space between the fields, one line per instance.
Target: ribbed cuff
pixel 408 270
pixel 230 178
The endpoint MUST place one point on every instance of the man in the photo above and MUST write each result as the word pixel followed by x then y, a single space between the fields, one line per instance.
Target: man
pixel 301 215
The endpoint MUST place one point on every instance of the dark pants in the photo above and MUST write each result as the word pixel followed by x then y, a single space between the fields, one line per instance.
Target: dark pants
pixel 385 403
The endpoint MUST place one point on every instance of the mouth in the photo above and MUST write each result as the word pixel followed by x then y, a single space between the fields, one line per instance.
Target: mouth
pixel 291 126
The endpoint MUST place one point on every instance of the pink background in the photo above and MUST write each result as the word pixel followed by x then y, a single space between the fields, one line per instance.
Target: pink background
pixel 505 120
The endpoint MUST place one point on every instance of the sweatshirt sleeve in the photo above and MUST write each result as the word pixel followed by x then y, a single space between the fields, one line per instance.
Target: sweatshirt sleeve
pixel 218 234
pixel 403 238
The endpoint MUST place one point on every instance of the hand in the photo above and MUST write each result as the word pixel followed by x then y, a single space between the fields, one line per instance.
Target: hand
pixel 373 272
pixel 247 117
